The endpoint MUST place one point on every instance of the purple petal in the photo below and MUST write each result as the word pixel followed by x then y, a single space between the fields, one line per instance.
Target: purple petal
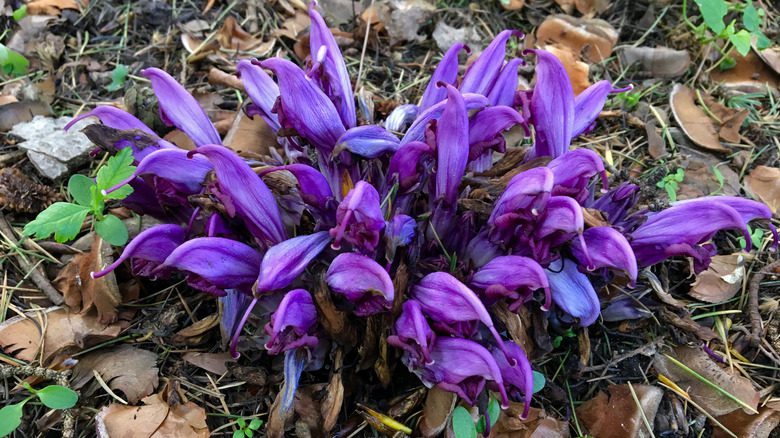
pixel 306 108
pixel 261 88
pixel 606 248
pixel 292 323
pixel 518 379
pixel 484 72
pixel 512 277
pixel 214 264
pixel 412 332
pixel 452 146
pixel 151 247
pixel 244 194
pixel 401 117
pixel 588 105
pixel 573 172
pixel 369 141
pixel 527 192
pixel 573 292
pixel 480 250
pixel 400 230
pixel 486 129
pixel 362 281
pixel 622 309
pixel 313 185
pixel 359 219
pixel 504 89
pixel 416 132
pixel 285 261
pixel 405 164
pixel 446 72
pixel 552 106
pixel 563 214
pixel 178 108
pixel 175 166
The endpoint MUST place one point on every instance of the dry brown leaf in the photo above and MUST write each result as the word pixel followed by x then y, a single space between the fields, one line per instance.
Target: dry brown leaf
pixel 700 179
pixel 60 332
pixel 19 112
pixel 513 5
pixel 250 137
pixel 293 26
pixel 693 120
pixel 709 398
pixel 128 369
pixel 771 58
pixel 334 396
pixel 5 99
pixel 277 419
pixel 593 37
pixel 212 362
pixel 566 5
pixel 53 7
pixel 219 78
pixel 729 119
pixel 576 69
pixel 591 7
pixel 537 425
pixel 232 37
pixel 436 411
pixel 656 145
pixel 194 334
pixel 722 279
pixel 155 419
pixel 625 417
pixel 750 74
pixel 658 62
pixel 764 183
pixel 743 425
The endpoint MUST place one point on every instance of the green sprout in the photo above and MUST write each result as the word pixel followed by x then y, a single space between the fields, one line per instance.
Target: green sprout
pixel 671 183
pixel 52 396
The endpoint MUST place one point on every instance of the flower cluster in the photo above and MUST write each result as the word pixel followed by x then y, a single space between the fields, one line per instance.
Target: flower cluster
pixel 366 199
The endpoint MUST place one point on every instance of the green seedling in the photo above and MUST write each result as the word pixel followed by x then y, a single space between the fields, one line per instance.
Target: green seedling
pixel 118 77
pixel 247 430
pixel 671 183
pixel 739 32
pixel 12 63
pixel 52 396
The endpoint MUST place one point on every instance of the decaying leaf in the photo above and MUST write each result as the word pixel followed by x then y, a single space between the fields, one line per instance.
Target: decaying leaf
pixel 155 419
pixel 194 334
pixel 277 419
pixel 729 120
pixel 764 183
pixel 693 120
pixel 436 411
pixel 714 401
pixel 658 62
pixel 584 7
pixel 625 416
pixel 722 279
pixel 743 425
pixel 212 362
pixel 250 136
pixel 593 37
pixel 771 56
pixel 293 26
pixel 576 69
pixel 231 37
pixel 750 74
pixel 334 396
pixel 128 369
pixel 705 175
pixel 21 194
pixel 12 114
pixel 537 425
pixel 56 330
pixel 53 7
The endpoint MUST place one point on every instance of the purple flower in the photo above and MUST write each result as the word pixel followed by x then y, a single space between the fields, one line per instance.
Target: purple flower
pixel 215 264
pixel 359 219
pixel 178 108
pixel 416 131
pixel 523 200
pixel 406 163
pixel 401 117
pixel 286 260
pixel 573 292
pixel 486 130
pixel 617 203
pixel 369 141
pixel 562 220
pixel 446 72
pixel 399 231
pixel 314 188
pixel 514 278
pixel 244 194
pixel 362 281
pixel 518 379
pixel 505 88
pixel 606 248
pixel 623 308
pixel 452 149
pixel 483 73
pixel 148 250
pixel 573 171
pixel 412 332
pixel 184 174
pixel 262 89
pixel 293 323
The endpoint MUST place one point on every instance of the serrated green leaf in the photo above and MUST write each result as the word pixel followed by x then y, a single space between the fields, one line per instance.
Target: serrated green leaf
pixel 494 411
pixel 79 188
pixel 539 381
pixel 20 13
pixel 57 397
pixel 713 11
pixel 117 170
pixel 112 230
pixel 118 77
pixel 750 18
pixel 12 63
pixel 741 41
pixel 10 418
pixel 463 424
pixel 255 423
pixel 61 218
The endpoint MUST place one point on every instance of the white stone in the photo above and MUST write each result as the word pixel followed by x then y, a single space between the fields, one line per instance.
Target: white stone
pixel 53 151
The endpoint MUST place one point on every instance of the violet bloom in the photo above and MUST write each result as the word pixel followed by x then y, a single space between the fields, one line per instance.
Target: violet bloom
pixel 362 281
pixel 406 164
pixel 486 130
pixel 606 248
pixel 399 232
pixel 148 250
pixel 523 200
pixel 446 73
pixel 573 172
pixel 313 186
pixel 451 147
pixel 285 261
pixel 412 333
pixel 368 141
pixel 514 278
pixel 262 89
pixel 483 73
pixel 359 219
pixel 573 292
pixel 518 379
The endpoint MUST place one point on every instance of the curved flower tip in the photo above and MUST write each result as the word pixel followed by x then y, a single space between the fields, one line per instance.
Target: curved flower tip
pixel 400 230
pixel 446 72
pixel 588 105
pixel 573 292
pixel 174 165
pixel 215 264
pixel 416 131
pixel 362 281
pixel 314 186
pixel 606 248
pixel 293 324
pixel 573 171
pixel 483 73
pixel 359 219
pixel 519 379
pixel 412 332
pixel 261 88
pixel 514 278
pixel 524 198
pixel 552 106
pixel 285 261
pixel 505 88
pixel 244 194
pixel 406 164
pixel 147 250
pixel 486 130
pixel 178 108
pixel 452 148
pixel 401 117
pixel 561 221
pixel 369 141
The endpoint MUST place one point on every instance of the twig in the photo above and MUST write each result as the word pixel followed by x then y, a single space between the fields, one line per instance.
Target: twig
pixel 756 330
pixel 35 274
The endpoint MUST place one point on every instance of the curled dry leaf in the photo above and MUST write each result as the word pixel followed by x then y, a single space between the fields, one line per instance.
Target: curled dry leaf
pixel 576 69
pixel 195 333
pixel 714 401
pixel 128 369
pixel 584 7
pixel 232 37
pixel 155 419
pixel 436 411
pixel 293 26
pixel 693 120
pixel 722 279
pixel 701 178
pixel 593 37
pixel 658 62
pixel 334 396
pixel 743 425
pixel 53 7
pixel 750 74
pixel 537 425
pixel 212 362
pixel 250 136
pixel 729 119
pixel 625 417
pixel 56 330
pixel 764 183
pixel 771 58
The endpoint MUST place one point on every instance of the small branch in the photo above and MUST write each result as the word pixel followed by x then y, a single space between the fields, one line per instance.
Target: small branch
pixel 756 329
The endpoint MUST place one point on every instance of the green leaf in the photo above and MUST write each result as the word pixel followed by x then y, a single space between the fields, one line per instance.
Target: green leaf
pixel 718 177
pixel 494 411
pixel 118 77
pixel 255 424
pixel 58 397
pixel 117 170
pixel 539 381
pixel 249 433
pixel 238 433
pixel 20 13
pixel 762 42
pixel 61 218
pixel 463 424
pixel 480 425
pixel 241 422
pixel 79 188
pixel 757 237
pixel 713 11
pixel 741 41
pixel 10 418
pixel 112 230
pixel 727 63
pixel 750 17
pixel 12 63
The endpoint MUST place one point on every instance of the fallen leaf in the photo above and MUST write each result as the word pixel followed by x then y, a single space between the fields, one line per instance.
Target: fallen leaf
pixel 771 57
pixel 656 145
pixel 5 99
pixel 14 113
pixel 764 183
pixel 52 7
pixel 593 37
pixel 19 193
pixel 743 425
pixel 625 417
pixel 584 7
pixel 722 279
pixel 436 412
pixel 712 400
pixel 212 362
pixel 155 419
pixel 404 18
pixel 729 119
pixel 750 74
pixel 657 62
pixel 125 368
pixel 693 120
pixel 278 419
pixel 293 26
pixel 232 37
pixel 194 333
pixel 334 396
pixel 218 77
pixel 537 425
pixel 701 176
pixel 576 69
pixel 251 137
pixel 56 330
